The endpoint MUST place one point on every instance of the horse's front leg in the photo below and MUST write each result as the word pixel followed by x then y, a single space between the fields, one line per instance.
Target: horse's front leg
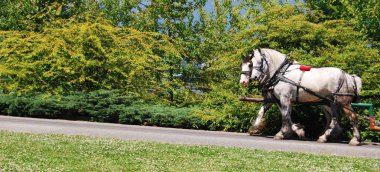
pixel 259 123
pixel 288 128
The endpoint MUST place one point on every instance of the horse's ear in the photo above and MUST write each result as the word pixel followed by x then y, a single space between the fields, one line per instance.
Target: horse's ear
pixel 242 56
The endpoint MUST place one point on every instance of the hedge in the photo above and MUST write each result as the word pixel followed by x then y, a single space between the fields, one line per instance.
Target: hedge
pixel 101 106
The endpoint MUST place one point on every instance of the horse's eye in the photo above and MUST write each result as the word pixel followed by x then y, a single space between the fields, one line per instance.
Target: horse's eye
pixel 250 65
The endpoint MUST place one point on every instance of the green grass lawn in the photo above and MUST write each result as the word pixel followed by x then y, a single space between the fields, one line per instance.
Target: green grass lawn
pixel 43 152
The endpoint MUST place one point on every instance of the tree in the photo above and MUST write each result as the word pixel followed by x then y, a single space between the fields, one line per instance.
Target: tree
pixel 35 14
pixel 175 18
pixel 365 14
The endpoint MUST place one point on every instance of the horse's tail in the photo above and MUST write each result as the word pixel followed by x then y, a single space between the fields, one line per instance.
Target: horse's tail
pixel 357 86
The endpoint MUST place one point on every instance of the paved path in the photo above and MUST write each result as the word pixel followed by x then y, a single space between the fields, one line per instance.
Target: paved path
pixel 182 136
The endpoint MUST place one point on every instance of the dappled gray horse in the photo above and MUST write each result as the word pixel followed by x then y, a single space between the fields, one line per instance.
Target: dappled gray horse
pixel 282 82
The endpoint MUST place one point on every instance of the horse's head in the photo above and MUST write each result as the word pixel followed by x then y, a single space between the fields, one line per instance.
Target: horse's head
pixel 259 66
pixel 246 69
pixel 254 67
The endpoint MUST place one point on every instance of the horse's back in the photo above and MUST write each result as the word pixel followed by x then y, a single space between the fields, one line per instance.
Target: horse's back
pixel 317 79
pixel 323 81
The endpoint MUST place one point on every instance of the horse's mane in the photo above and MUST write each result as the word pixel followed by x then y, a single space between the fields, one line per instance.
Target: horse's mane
pixel 274 57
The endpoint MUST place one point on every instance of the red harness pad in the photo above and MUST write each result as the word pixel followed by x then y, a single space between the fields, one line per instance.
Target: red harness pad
pixel 305 68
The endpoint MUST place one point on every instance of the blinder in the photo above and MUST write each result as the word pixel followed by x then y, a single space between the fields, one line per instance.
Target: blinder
pixel 261 67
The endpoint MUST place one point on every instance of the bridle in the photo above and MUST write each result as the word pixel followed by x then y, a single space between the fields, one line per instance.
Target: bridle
pixel 260 68
pixel 247 72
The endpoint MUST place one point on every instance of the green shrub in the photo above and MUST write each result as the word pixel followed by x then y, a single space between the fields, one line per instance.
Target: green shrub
pixel 99 105
pixel 87 56
pixel 102 106
pixel 160 115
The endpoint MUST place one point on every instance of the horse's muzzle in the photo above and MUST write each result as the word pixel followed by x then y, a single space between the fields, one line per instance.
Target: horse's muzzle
pixel 244 83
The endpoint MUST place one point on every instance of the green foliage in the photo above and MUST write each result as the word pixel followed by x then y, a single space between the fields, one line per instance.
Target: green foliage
pixel 364 14
pixel 159 115
pixel 74 105
pixel 86 57
pixel 34 15
pixel 176 19
pixel 223 110
pixel 102 106
pixel 12 13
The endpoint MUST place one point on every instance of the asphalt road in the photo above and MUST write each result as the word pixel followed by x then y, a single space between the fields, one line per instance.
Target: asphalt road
pixel 183 136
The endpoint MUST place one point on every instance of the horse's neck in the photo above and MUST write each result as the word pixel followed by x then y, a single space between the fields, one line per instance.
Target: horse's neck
pixel 276 59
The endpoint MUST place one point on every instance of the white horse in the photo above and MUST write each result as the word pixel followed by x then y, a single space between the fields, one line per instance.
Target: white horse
pixel 284 83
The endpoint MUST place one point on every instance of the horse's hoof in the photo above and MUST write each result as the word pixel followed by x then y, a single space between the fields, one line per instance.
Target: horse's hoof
pixel 254 133
pixel 278 136
pixel 300 133
pixel 322 139
pixel 354 142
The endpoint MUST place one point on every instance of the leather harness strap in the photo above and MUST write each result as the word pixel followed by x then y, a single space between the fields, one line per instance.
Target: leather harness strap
pixel 298 88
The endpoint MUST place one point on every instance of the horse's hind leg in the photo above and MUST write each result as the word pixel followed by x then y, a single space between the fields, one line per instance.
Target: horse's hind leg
pixel 349 111
pixel 327 111
pixel 333 112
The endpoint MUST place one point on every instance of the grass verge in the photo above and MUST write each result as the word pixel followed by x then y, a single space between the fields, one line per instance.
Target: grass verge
pixel 46 152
